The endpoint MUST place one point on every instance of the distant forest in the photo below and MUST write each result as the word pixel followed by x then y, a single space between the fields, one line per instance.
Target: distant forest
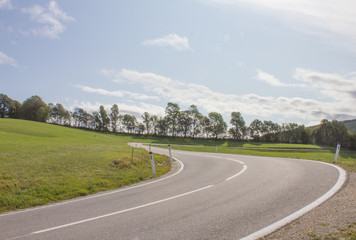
pixel 179 123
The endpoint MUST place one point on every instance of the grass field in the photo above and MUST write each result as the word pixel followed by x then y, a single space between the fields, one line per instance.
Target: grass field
pixel 42 163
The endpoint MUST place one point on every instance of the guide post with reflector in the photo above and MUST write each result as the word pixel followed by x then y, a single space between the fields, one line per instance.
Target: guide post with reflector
pixel 337 152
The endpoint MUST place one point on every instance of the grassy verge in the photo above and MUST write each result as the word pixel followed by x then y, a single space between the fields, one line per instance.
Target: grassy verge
pixel 347 233
pixel 42 163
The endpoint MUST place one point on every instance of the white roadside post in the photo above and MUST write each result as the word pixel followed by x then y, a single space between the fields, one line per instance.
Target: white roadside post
pixel 170 152
pixel 153 164
pixel 132 156
pixel 216 150
pixel 337 152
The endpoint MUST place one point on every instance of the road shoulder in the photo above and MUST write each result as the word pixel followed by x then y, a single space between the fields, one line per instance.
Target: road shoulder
pixel 334 218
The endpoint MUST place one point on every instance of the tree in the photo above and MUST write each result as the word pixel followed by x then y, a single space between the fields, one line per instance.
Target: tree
pixel 154 122
pixel 162 126
pixel 255 129
pixel 217 125
pixel 147 121
pixel 9 107
pixel 352 141
pixel 269 131
pixel 14 111
pixel 205 126
pixel 185 122
pixel 196 117
pixel 140 128
pixel 35 109
pixel 129 122
pixel 5 105
pixel 96 121
pixel 114 115
pixel 238 130
pixel 330 133
pixel 82 119
pixel 105 120
pixel 59 114
pixel 172 117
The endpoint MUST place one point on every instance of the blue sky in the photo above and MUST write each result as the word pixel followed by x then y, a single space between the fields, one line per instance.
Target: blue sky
pixel 279 60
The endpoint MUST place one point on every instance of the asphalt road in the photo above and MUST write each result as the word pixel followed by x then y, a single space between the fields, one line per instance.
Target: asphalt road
pixel 207 196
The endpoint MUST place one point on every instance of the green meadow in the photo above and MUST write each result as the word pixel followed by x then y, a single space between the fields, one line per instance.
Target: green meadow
pixel 42 163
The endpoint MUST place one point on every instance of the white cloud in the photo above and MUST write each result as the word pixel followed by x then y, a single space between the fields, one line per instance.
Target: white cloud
pixel 5 4
pixel 51 17
pixel 272 80
pixel 145 78
pixel 57 12
pixel 110 74
pixel 104 92
pixel 336 18
pixel 136 109
pixel 171 40
pixel 331 85
pixel 227 37
pixel 251 104
pixel 4 59
pixel 239 63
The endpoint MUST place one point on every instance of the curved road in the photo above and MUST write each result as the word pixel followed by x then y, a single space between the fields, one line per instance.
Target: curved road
pixel 208 196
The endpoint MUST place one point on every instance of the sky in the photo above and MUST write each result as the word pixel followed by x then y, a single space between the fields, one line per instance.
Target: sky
pixel 279 60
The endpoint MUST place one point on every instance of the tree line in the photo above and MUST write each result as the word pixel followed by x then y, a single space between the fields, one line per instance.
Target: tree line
pixel 179 123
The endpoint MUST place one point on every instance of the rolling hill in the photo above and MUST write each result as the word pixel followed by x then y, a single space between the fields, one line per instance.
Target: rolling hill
pixel 351 125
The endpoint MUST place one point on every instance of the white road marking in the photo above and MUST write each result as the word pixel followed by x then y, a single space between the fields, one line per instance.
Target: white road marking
pixel 277 225
pixel 121 211
pixel 237 174
pixel 244 167
pixel 235 160
pixel 98 195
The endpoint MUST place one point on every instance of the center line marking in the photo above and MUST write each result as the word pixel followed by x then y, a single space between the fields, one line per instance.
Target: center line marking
pixel 121 211
pixel 244 167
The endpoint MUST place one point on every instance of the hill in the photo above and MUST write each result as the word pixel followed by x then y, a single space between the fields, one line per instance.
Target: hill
pixel 350 125
pixel 43 163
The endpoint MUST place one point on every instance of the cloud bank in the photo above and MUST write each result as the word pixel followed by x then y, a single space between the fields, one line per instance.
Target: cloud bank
pixel 338 91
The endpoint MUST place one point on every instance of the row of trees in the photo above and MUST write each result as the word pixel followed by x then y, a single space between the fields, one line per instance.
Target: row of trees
pixel 177 122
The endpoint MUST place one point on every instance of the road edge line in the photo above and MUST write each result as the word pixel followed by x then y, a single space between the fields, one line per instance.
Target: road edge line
pixel 121 211
pixel 290 218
